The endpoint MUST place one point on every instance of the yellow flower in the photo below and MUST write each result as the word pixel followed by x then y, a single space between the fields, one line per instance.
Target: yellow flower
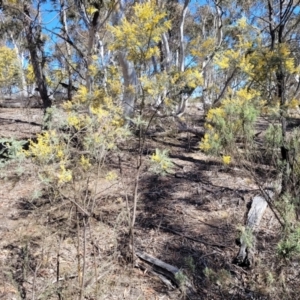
pixel 222 62
pixel 91 10
pixel 111 176
pixel 155 157
pixel 60 153
pixel 242 23
pixel 85 162
pixel 205 143
pixel 294 103
pixel 67 105
pixel 216 137
pixel 64 175
pixel 226 159
pixel 73 120
pixel 215 113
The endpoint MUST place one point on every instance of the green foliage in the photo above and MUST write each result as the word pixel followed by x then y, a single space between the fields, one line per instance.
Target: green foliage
pixel 273 137
pixel 289 246
pixel 286 207
pixel 234 119
pixel 190 263
pixel 11 149
pixel 247 237
pixel 221 277
pixel 274 141
pixel 181 280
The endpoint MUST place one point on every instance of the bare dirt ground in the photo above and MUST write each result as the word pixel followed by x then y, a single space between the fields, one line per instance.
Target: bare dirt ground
pixel 189 219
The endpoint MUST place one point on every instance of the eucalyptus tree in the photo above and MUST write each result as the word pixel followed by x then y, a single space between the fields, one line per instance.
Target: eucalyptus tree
pixel 28 16
pixel 35 43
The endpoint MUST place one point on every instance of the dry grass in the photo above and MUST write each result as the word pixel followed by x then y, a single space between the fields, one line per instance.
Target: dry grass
pixel 189 218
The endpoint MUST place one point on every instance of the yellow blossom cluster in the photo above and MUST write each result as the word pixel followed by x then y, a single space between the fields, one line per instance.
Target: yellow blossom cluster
pixel 111 176
pixel 161 162
pixel 101 106
pixel 64 175
pixel 234 118
pixel 193 78
pixel 9 68
pixel 205 144
pixel 85 162
pixel 93 124
pixel 154 85
pixel 30 77
pixel 227 58
pixel 47 148
pixel 202 48
pixel 77 121
pixel 242 23
pixel 91 10
pixel 140 34
pixel 226 159
pixel 113 82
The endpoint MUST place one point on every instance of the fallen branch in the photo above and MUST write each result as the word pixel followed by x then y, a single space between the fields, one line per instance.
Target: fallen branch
pixel 146 268
pixel 166 270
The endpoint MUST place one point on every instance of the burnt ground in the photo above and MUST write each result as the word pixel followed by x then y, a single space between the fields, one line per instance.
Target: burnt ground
pixel 189 218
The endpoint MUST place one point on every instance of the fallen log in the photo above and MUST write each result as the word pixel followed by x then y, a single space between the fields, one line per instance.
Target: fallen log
pixel 169 274
pixel 245 256
pixel 160 266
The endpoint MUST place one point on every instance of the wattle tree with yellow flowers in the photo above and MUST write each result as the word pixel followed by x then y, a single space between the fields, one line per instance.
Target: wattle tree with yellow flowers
pixel 262 70
pixel 231 121
pixel 10 73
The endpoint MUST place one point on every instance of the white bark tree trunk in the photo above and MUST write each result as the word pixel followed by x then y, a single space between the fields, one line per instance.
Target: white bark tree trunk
pixel 20 57
pixel 128 72
pixel 167 54
pixel 207 98
pixel 183 98
pixel 130 83
pixel 182 43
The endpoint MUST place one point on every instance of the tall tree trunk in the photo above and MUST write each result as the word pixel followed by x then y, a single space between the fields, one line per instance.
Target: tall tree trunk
pixel 280 93
pixel 32 41
pixel 167 57
pixel 128 72
pixel 208 100
pixel 93 28
pixel 20 57
pixel 181 31
pixel 130 83
pixel 68 48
